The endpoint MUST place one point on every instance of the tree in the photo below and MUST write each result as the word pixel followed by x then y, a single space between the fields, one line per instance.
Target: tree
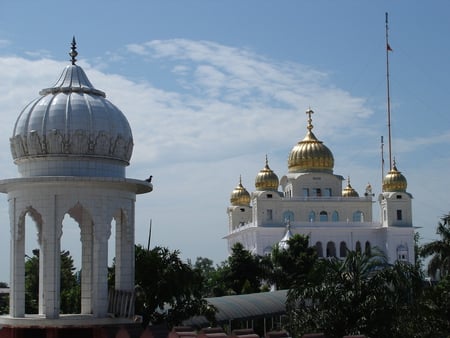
pixel 243 272
pixel 70 287
pixel 439 265
pixel 167 288
pixel 292 265
pixel 361 294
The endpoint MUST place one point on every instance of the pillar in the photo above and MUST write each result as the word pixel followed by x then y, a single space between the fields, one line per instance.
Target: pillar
pixel 102 231
pixel 17 262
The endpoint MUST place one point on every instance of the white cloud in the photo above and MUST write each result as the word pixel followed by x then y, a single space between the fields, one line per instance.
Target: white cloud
pixel 233 108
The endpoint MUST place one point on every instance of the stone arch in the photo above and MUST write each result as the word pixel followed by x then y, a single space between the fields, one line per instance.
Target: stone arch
pixel 35 216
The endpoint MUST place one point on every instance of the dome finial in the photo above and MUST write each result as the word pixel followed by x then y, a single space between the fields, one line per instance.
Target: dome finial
pixel 309 112
pixel 73 51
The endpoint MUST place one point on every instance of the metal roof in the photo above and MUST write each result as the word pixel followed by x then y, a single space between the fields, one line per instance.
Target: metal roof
pixel 250 306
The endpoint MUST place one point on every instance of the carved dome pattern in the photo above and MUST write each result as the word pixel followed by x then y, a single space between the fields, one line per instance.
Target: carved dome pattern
pixel 72 118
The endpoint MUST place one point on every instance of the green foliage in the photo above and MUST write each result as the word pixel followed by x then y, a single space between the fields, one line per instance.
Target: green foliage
pixel 243 272
pixel 291 266
pixel 439 250
pixel 361 294
pixel 70 287
pixel 167 289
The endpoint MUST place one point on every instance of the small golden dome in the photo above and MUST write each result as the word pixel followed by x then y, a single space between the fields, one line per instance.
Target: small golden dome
pixel 266 179
pixel 310 154
pixel 349 191
pixel 394 181
pixel 240 195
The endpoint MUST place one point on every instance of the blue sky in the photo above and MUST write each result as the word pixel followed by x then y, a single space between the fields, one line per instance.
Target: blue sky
pixel 211 87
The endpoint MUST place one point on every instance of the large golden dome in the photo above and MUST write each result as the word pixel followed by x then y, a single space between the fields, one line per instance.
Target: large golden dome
pixel 394 181
pixel 349 191
pixel 266 179
pixel 310 154
pixel 240 195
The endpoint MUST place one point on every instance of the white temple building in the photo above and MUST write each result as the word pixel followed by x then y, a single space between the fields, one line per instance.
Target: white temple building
pixel 71 147
pixel 309 200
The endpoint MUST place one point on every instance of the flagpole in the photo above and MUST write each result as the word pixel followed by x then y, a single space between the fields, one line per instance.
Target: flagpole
pixel 388 49
pixel 149 235
pixel 382 160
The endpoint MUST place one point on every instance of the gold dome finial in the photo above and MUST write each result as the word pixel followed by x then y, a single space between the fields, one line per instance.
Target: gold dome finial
pixel 266 179
pixel 394 180
pixel 309 112
pixel 310 154
pixel 240 196
pixel 349 191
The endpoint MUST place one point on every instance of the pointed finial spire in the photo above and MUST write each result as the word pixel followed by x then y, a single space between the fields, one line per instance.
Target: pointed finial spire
pixel 309 112
pixel 348 180
pixel 73 51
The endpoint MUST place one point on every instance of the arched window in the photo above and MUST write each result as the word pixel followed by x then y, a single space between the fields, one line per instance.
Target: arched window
pixel 357 216
pixel 358 247
pixel 343 249
pixel 319 249
pixel 288 216
pixel 331 249
pixel 335 216
pixel 367 249
pixel 323 216
pixel 312 216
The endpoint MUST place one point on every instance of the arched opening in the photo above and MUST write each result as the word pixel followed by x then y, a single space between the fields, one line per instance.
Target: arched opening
pixel 343 249
pixel 323 216
pixel 29 228
pixel 288 216
pixel 358 247
pixel 312 216
pixel 319 249
pixel 70 279
pixel 331 249
pixel 367 248
pixel 335 216
pixel 357 216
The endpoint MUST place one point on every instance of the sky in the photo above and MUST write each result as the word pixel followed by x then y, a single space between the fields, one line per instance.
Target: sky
pixel 212 87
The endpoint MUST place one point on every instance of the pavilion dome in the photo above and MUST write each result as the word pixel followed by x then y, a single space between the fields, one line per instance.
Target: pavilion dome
pixel 349 191
pixel 394 181
pixel 310 154
pixel 266 179
pixel 240 196
pixel 72 122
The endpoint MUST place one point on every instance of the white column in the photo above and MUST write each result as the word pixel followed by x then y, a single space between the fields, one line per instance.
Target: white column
pixel 17 263
pixel 86 266
pixel 124 271
pixel 50 256
pixel 102 231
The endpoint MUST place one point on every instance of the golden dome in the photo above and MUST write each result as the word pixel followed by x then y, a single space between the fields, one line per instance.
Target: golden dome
pixel 240 195
pixel 310 154
pixel 266 179
pixel 349 191
pixel 394 181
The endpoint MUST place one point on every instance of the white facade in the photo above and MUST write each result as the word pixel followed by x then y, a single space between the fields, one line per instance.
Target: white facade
pixel 309 200
pixel 71 146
